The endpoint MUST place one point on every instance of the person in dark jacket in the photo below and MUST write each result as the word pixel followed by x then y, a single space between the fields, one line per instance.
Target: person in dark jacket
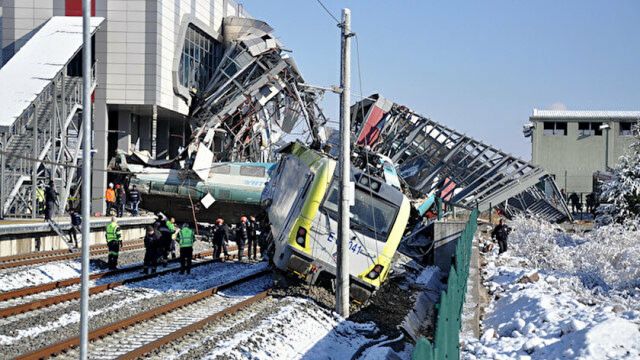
pixel 165 240
pixel 121 200
pixel 575 203
pixel 254 230
pixel 501 233
pixel 220 239
pixel 151 242
pixel 76 221
pixel 50 200
pixel 242 236
pixel 134 197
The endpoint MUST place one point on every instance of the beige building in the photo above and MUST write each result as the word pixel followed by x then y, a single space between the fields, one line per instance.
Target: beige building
pixel 572 145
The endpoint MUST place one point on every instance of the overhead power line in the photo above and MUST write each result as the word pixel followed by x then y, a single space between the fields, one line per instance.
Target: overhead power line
pixel 329 13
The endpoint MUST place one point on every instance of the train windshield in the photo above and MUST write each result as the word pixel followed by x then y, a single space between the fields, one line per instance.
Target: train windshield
pixel 370 215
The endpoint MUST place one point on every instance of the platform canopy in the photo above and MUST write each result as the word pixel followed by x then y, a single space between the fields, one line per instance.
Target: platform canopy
pixel 35 65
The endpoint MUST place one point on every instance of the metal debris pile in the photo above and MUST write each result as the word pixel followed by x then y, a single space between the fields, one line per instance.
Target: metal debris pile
pixel 256 95
pixel 434 159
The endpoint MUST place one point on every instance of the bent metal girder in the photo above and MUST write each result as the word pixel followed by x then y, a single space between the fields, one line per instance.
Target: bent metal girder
pixel 255 96
pixel 432 158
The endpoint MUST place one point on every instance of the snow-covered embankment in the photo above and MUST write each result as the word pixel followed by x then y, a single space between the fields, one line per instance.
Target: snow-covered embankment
pixel 562 296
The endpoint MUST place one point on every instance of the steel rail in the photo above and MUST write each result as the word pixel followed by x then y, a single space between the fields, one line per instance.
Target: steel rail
pixel 74 295
pixel 42 254
pixel 156 344
pixel 47 259
pixel 56 348
pixel 31 290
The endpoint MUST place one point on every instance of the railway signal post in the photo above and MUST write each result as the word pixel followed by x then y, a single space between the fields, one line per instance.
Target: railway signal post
pixel 342 278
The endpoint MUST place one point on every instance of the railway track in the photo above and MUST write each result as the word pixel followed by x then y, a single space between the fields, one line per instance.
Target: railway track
pixel 24 301
pixel 9 262
pixel 146 331
pixel 32 290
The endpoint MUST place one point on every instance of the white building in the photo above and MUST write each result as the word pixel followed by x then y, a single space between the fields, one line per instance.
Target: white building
pixel 148 53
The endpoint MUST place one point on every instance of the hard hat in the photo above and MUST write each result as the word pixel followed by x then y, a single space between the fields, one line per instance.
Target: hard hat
pixel 111 185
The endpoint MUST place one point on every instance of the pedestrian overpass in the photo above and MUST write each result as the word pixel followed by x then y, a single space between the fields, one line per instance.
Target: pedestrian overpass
pixel 40 122
pixel 435 159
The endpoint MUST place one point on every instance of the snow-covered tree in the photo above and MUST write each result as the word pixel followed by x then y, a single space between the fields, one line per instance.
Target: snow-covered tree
pixel 621 195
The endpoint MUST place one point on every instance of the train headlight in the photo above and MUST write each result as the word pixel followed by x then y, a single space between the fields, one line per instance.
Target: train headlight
pixel 301 236
pixel 375 272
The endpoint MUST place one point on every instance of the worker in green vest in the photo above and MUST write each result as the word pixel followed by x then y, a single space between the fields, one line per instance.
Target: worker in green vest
pixel 113 242
pixel 185 239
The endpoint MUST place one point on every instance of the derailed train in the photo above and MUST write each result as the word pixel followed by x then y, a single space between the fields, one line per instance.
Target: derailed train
pixel 301 201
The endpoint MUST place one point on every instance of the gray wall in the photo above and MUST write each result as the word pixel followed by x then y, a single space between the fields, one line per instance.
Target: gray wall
pixel 572 158
pixel 22 18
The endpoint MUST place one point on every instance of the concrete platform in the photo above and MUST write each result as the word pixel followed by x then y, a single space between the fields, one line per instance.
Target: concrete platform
pixel 20 236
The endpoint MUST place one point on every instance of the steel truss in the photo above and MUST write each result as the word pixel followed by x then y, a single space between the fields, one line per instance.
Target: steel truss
pixel 255 96
pixel 48 130
pixel 433 158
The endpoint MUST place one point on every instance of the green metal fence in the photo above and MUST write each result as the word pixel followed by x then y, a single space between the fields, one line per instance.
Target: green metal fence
pixel 446 344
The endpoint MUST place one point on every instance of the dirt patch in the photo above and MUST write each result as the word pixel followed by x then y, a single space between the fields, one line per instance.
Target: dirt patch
pixel 387 308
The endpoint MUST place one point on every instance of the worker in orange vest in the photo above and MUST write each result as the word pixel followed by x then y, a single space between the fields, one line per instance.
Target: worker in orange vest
pixel 110 198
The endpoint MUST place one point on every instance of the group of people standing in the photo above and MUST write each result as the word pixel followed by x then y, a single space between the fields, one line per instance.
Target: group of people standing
pixel 247 233
pixel 160 243
pixel 116 198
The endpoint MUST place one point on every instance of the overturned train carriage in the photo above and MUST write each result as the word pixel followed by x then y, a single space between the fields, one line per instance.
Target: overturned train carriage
pixel 301 201
pixel 231 190
pixel 434 159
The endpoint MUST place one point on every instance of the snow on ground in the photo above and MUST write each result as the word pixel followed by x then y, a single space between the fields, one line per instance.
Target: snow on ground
pixel 17 278
pixel 585 304
pixel 39 274
pixel 301 330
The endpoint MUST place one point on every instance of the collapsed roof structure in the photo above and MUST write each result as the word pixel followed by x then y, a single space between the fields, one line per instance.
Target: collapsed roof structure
pixel 434 158
pixel 255 96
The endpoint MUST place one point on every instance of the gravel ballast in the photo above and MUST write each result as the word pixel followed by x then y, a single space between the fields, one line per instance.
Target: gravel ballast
pixel 27 332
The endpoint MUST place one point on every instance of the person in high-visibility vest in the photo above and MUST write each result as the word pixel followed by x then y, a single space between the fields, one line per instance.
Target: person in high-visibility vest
pixel 113 242
pixel 185 239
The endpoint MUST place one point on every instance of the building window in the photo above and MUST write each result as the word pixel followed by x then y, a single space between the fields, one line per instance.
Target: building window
pixel 552 128
pixel 199 59
pixel 589 129
pixel 625 128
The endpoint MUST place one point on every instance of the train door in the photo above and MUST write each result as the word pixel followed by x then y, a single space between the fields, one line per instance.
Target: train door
pixel 286 193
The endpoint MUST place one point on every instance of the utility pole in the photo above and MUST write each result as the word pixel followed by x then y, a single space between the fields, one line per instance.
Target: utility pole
pixel 342 288
pixel 86 176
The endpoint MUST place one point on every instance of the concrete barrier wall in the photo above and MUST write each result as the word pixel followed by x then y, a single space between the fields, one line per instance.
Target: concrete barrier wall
pixel 445 238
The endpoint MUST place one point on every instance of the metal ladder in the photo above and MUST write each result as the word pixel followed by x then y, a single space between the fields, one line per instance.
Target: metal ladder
pixel 67 239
